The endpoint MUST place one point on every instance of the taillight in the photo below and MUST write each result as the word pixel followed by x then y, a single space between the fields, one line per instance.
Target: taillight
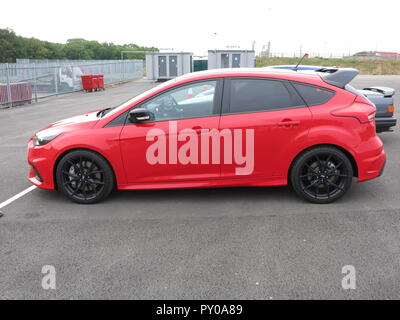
pixel 390 109
pixel 372 116
pixel 364 112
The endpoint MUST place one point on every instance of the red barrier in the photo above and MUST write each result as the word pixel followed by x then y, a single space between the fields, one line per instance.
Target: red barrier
pixel 20 93
pixel 3 94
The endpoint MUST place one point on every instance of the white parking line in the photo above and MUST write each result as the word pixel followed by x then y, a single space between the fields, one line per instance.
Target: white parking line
pixel 17 196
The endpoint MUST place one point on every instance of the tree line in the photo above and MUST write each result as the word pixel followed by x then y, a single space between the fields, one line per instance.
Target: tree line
pixel 14 47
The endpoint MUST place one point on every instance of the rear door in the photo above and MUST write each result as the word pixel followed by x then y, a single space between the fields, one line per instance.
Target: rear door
pixel 274 114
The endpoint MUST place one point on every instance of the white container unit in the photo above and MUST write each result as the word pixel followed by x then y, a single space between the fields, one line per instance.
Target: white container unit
pixel 167 65
pixel 218 59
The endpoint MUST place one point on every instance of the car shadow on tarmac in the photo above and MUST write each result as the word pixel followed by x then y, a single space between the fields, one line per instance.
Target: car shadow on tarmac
pixel 198 203
pixel 284 193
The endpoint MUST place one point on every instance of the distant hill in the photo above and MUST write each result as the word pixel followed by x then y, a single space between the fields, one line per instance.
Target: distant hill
pixel 14 47
pixel 377 66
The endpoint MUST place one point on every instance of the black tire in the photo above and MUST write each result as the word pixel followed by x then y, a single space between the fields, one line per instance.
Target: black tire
pixel 90 185
pixel 322 174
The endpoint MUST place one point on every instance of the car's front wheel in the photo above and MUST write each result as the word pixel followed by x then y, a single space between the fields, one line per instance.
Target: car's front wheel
pixel 322 174
pixel 84 176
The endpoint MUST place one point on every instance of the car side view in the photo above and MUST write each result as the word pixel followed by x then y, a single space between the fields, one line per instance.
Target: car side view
pixel 217 128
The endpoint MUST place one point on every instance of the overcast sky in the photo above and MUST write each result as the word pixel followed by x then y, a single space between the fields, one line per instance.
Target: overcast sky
pixel 334 26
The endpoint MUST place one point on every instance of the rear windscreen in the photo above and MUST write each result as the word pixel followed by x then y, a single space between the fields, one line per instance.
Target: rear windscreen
pixel 313 95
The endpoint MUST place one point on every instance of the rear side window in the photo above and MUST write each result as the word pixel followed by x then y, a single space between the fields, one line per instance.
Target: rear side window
pixel 313 95
pixel 254 95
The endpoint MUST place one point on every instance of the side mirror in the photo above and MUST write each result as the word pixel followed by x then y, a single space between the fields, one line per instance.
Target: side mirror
pixel 140 115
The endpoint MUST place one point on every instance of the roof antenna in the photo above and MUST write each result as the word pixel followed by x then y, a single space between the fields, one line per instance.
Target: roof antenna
pixel 297 66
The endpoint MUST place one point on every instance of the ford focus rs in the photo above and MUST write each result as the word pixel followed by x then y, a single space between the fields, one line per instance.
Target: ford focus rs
pixel 218 128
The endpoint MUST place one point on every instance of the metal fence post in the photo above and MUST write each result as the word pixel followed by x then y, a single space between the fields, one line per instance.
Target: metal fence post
pixel 56 80
pixel 73 78
pixel 9 96
pixel 123 70
pixel 35 82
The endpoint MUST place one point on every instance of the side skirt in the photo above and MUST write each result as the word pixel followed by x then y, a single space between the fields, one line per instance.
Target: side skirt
pixel 237 182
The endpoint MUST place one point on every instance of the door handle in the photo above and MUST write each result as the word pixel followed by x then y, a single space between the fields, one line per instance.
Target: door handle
pixel 287 123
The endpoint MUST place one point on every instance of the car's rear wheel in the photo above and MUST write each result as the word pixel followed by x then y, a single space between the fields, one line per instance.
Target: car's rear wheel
pixel 322 174
pixel 84 177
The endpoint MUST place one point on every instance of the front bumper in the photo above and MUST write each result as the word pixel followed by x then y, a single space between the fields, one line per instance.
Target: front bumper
pixel 384 124
pixel 41 166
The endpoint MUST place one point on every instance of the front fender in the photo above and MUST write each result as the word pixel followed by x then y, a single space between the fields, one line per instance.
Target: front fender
pixel 104 141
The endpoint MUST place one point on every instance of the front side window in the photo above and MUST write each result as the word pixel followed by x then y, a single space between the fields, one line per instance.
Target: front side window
pixel 189 101
pixel 255 95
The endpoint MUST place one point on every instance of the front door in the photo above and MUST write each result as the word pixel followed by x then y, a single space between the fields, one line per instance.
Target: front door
pixel 168 148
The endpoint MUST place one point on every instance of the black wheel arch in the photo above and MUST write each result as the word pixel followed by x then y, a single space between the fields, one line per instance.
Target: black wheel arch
pixel 79 149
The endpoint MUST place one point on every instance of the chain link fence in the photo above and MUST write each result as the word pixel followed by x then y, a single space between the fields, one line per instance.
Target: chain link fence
pixel 30 80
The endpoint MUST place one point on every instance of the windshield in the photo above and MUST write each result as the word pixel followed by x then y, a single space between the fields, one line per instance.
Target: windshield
pixel 138 97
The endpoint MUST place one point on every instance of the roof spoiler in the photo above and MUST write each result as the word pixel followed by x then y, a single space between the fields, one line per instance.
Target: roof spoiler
pixel 387 92
pixel 339 78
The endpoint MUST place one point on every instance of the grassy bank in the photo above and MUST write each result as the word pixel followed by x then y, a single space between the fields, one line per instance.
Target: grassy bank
pixel 365 66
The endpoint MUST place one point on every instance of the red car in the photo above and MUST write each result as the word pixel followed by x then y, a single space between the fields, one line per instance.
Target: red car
pixel 218 128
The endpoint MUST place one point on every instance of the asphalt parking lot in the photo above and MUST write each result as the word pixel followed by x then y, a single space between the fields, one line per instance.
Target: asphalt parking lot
pixel 237 243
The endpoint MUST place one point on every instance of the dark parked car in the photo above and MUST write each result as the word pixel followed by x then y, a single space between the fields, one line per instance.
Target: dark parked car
pixel 382 97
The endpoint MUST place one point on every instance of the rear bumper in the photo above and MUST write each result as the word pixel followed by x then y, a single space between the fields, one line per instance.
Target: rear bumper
pixel 372 166
pixel 384 124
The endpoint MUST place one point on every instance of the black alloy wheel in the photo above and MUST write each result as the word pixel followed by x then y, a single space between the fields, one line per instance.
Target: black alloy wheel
pixel 322 174
pixel 85 177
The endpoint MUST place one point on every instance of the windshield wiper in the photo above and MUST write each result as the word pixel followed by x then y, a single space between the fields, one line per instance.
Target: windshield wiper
pixel 103 112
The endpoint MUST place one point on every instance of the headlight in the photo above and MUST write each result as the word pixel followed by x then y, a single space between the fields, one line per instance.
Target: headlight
pixel 43 137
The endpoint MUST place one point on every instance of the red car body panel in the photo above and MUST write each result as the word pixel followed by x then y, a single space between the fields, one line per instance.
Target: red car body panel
pixel 138 170
pixel 274 138
pixel 276 145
